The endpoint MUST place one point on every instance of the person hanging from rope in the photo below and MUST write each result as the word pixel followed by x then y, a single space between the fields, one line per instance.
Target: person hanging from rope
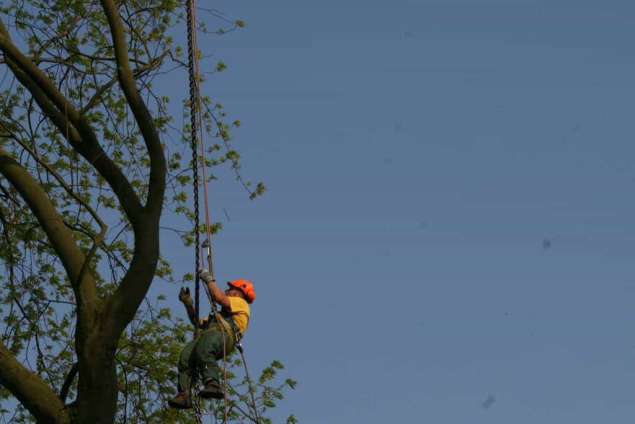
pixel 218 336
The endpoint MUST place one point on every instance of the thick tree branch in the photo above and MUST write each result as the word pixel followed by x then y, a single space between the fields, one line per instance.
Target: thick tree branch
pixel 139 109
pixel 98 238
pixel 134 286
pixel 60 236
pixel 30 390
pixel 60 180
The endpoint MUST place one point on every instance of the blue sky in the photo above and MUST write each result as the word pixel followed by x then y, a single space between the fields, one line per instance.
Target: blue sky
pixel 449 231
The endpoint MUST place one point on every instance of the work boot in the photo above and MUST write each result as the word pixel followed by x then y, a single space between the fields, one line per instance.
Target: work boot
pixel 212 391
pixel 180 401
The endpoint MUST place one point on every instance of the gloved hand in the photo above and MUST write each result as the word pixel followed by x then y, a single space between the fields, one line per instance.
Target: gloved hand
pixel 205 275
pixel 184 295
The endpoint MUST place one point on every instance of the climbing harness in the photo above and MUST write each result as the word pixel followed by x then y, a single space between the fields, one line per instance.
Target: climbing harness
pixel 198 160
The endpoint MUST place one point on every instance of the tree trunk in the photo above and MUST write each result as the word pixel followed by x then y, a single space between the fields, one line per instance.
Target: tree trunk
pixel 97 386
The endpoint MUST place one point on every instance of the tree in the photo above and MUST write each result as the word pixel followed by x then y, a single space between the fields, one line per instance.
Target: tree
pixel 89 163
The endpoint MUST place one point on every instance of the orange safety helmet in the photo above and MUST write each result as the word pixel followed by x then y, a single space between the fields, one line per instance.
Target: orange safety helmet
pixel 246 287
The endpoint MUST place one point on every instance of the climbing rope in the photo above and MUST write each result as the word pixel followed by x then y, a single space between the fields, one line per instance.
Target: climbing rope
pixel 198 160
pixel 194 124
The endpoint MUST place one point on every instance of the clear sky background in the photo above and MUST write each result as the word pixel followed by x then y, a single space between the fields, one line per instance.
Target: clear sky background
pixel 449 231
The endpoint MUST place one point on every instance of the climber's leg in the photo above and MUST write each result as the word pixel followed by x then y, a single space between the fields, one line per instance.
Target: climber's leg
pixel 186 369
pixel 208 350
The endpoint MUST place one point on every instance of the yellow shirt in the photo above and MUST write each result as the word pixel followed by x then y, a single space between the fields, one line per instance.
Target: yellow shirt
pixel 240 312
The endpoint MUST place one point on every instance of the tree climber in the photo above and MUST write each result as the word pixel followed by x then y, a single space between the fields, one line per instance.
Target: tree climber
pixel 220 334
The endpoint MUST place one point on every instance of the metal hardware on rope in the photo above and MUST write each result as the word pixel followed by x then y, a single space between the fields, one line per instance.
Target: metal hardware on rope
pixel 208 247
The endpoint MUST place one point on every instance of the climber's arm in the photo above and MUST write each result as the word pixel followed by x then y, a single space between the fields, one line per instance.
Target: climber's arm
pixel 217 294
pixel 186 299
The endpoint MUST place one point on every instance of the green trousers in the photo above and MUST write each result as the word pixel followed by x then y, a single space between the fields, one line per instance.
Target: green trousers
pixel 198 357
